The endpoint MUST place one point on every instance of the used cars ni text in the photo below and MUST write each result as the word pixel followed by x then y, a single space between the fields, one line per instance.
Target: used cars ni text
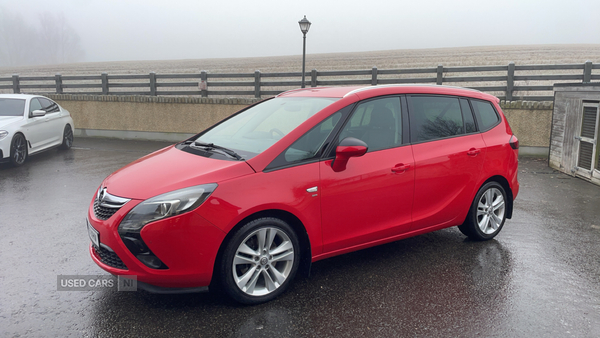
pixel 30 124
pixel 309 174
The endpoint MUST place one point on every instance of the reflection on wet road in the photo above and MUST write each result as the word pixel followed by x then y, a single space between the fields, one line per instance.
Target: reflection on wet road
pixel 540 277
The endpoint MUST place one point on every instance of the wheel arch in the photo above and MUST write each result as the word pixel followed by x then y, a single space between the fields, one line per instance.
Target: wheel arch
pixel 291 219
pixel 509 194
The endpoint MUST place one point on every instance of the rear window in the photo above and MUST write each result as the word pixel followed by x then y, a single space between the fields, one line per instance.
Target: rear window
pixel 12 107
pixel 487 117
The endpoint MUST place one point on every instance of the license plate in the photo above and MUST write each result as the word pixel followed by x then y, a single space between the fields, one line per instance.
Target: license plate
pixel 94 234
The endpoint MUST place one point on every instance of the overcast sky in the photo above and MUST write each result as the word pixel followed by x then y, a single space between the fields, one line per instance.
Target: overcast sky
pixel 119 30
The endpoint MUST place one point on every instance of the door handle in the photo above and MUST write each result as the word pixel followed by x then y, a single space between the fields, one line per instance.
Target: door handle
pixel 473 152
pixel 400 168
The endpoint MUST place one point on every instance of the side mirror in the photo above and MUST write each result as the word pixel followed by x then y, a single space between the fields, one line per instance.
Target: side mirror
pixel 349 147
pixel 38 113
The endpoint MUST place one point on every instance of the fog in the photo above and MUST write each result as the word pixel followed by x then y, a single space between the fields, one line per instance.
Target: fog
pixel 122 30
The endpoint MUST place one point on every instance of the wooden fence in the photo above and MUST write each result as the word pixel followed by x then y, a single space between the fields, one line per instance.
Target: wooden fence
pixel 510 82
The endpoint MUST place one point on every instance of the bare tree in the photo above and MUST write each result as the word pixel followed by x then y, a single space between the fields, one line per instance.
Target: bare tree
pixel 17 40
pixel 60 42
pixel 54 42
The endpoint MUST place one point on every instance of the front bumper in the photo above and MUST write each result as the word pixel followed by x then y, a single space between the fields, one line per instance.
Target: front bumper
pixel 187 244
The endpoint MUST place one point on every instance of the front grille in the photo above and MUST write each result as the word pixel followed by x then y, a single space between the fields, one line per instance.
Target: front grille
pixel 109 257
pixel 106 205
pixel 103 213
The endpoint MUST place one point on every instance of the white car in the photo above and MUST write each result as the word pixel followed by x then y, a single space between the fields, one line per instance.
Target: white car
pixel 30 124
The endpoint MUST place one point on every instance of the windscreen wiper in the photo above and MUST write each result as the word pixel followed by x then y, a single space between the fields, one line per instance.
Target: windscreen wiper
pixel 212 146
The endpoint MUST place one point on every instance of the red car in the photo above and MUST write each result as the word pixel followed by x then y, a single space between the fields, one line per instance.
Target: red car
pixel 310 174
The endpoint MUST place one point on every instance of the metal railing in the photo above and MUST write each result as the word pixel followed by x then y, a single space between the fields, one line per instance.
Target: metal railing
pixel 510 82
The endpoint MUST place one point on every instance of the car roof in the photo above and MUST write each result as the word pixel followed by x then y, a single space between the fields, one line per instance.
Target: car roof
pixel 17 96
pixel 370 91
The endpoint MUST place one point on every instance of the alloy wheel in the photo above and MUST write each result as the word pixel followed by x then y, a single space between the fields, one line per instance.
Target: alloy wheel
pixel 263 261
pixel 490 211
pixel 19 149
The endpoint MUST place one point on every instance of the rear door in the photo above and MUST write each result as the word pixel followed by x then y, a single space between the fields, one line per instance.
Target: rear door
pixel 449 155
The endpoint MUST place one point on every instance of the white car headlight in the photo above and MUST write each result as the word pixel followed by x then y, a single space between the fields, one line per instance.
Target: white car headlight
pixel 3 134
pixel 165 205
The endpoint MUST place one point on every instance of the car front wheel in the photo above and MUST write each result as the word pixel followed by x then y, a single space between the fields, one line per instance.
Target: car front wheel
pixel 260 261
pixel 487 214
pixel 18 150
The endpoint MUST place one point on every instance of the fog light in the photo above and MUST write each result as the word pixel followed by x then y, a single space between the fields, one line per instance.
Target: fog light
pixel 136 245
pixel 151 261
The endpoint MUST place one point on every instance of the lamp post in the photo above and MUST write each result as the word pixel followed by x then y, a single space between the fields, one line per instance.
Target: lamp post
pixel 304 26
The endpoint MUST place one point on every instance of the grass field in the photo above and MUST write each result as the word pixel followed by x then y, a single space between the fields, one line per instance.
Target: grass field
pixel 391 59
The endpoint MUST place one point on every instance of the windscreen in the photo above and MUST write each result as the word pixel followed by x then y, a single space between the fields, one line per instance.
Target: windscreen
pixel 12 107
pixel 259 127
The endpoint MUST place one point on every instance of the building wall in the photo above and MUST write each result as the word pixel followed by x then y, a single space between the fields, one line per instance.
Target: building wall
pixel 175 118
pixel 530 121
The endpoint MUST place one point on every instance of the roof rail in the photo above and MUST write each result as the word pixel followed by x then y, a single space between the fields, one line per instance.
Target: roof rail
pixel 299 90
pixel 407 85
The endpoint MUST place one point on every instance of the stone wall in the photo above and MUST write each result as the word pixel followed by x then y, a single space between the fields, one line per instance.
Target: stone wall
pixel 530 121
pixel 175 118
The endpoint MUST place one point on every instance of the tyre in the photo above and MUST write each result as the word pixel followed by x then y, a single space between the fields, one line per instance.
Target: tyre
pixel 260 261
pixel 18 150
pixel 487 214
pixel 67 138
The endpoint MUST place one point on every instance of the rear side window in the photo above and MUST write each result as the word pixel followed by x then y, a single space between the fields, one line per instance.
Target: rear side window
pixel 434 117
pixel 468 116
pixel 487 117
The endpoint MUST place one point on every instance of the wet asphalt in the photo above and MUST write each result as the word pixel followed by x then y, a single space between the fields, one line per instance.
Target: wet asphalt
pixel 540 277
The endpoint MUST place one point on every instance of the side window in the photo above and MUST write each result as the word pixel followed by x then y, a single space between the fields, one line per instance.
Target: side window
pixel 310 143
pixel 467 116
pixel 376 122
pixel 34 104
pixel 48 106
pixel 486 114
pixel 434 117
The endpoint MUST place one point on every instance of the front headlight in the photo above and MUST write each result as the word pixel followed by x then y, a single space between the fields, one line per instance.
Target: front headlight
pixel 3 134
pixel 165 205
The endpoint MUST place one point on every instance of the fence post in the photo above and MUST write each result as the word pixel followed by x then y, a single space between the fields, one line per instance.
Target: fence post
pixel 104 84
pixel 510 81
pixel 313 78
pixel 257 84
pixel 203 84
pixel 16 87
pixel 58 80
pixel 587 71
pixel 374 76
pixel 153 83
pixel 440 74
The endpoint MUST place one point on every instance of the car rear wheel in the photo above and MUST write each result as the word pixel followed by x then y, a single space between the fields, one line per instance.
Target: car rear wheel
pixel 260 261
pixel 67 138
pixel 487 214
pixel 18 150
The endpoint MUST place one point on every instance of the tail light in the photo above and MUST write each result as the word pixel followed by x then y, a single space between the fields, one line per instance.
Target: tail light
pixel 514 142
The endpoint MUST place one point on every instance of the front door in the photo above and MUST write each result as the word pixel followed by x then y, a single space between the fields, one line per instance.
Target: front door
pixel 371 199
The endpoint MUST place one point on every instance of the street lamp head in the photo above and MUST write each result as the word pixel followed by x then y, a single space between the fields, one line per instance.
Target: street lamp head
pixel 304 25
